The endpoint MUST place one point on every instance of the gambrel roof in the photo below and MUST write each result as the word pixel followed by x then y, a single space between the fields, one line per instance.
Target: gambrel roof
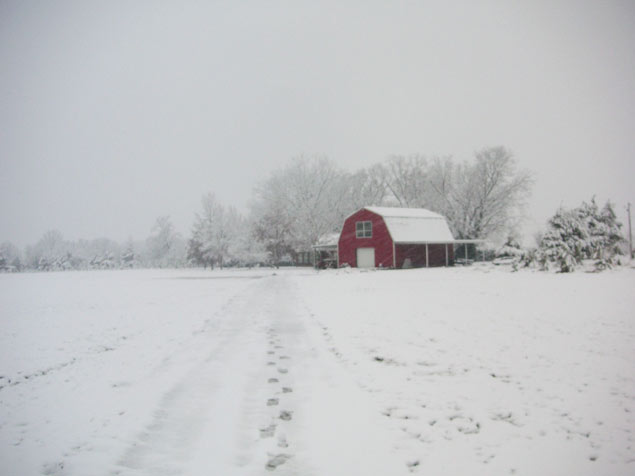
pixel 414 225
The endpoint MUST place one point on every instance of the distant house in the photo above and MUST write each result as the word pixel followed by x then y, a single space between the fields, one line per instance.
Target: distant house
pixel 396 238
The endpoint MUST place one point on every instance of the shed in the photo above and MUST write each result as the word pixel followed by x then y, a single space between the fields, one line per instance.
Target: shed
pixel 325 251
pixel 385 237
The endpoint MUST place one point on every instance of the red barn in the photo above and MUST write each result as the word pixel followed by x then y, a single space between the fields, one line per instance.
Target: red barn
pixel 395 238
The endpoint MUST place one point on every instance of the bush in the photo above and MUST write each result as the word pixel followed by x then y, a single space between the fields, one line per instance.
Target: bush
pixel 583 233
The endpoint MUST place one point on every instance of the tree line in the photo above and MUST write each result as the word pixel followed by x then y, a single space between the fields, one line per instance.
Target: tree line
pixel 163 248
pixel 309 198
pixel 292 208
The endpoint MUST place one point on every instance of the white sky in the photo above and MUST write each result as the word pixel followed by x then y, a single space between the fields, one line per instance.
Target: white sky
pixel 113 113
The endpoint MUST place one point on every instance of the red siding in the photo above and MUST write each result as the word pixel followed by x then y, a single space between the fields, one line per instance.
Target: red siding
pixel 381 241
pixel 436 255
pixel 416 254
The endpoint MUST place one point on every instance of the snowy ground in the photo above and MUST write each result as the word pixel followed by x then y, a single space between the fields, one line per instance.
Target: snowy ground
pixel 442 371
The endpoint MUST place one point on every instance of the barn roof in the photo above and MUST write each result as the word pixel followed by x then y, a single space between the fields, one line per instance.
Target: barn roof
pixel 414 225
pixel 403 212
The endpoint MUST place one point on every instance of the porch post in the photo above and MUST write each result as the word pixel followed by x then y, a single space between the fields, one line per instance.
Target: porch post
pixel 394 255
pixel 447 262
pixel 465 246
pixel 427 263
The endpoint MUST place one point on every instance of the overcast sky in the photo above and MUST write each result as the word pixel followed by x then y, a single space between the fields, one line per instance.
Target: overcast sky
pixel 114 112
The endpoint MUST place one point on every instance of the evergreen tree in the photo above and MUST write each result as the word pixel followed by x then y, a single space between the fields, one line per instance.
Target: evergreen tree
pixel 128 255
pixel 564 241
pixel 583 233
pixel 511 249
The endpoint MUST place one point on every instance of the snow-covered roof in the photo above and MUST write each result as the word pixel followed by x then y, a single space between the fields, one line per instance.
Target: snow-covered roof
pixel 414 225
pixel 327 241
pixel 403 212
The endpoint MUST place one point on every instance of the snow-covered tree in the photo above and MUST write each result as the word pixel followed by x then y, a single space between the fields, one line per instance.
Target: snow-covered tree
pixel 216 234
pixel 164 246
pixel 367 187
pixel 603 229
pixel 299 203
pixel 224 236
pixel 244 249
pixel 480 199
pixel 564 241
pixel 442 183
pixel 195 254
pixel 271 225
pixel 510 249
pixel 10 257
pixel 487 195
pixel 127 259
pixel 407 180
pixel 583 233
pixel 51 252
pixel 315 192
pixel 101 253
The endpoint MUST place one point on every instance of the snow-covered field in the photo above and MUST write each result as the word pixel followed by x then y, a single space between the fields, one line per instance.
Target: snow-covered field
pixel 460 371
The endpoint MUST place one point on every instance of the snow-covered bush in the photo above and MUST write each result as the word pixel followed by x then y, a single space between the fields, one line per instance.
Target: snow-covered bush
pixel 583 233
pixel 10 260
pixel 511 249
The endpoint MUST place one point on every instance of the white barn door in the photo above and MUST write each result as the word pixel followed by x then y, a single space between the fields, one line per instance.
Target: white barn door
pixel 365 257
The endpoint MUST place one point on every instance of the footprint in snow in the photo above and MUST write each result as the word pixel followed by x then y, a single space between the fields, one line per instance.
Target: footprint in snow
pixel 287 390
pixel 282 371
pixel 53 468
pixel 268 431
pixel 272 402
pixel 273 380
pixel 286 415
pixel 276 461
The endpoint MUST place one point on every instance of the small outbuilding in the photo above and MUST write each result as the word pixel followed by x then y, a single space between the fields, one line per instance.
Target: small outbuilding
pixel 325 251
pixel 384 237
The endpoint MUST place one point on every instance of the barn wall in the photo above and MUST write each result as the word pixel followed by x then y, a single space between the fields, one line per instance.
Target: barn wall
pixel 436 254
pixel 417 255
pixel 380 240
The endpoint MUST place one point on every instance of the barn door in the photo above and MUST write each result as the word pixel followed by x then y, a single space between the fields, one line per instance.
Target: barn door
pixel 365 257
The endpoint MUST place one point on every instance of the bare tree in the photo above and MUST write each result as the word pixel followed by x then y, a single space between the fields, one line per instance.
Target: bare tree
pixel 298 204
pixel 442 187
pixel 271 220
pixel 367 187
pixel 490 194
pixel 480 199
pixel 215 234
pixel 406 179
pixel 164 245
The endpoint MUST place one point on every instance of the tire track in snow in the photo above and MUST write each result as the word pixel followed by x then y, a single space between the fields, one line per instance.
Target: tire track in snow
pixel 199 427
pixel 269 398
